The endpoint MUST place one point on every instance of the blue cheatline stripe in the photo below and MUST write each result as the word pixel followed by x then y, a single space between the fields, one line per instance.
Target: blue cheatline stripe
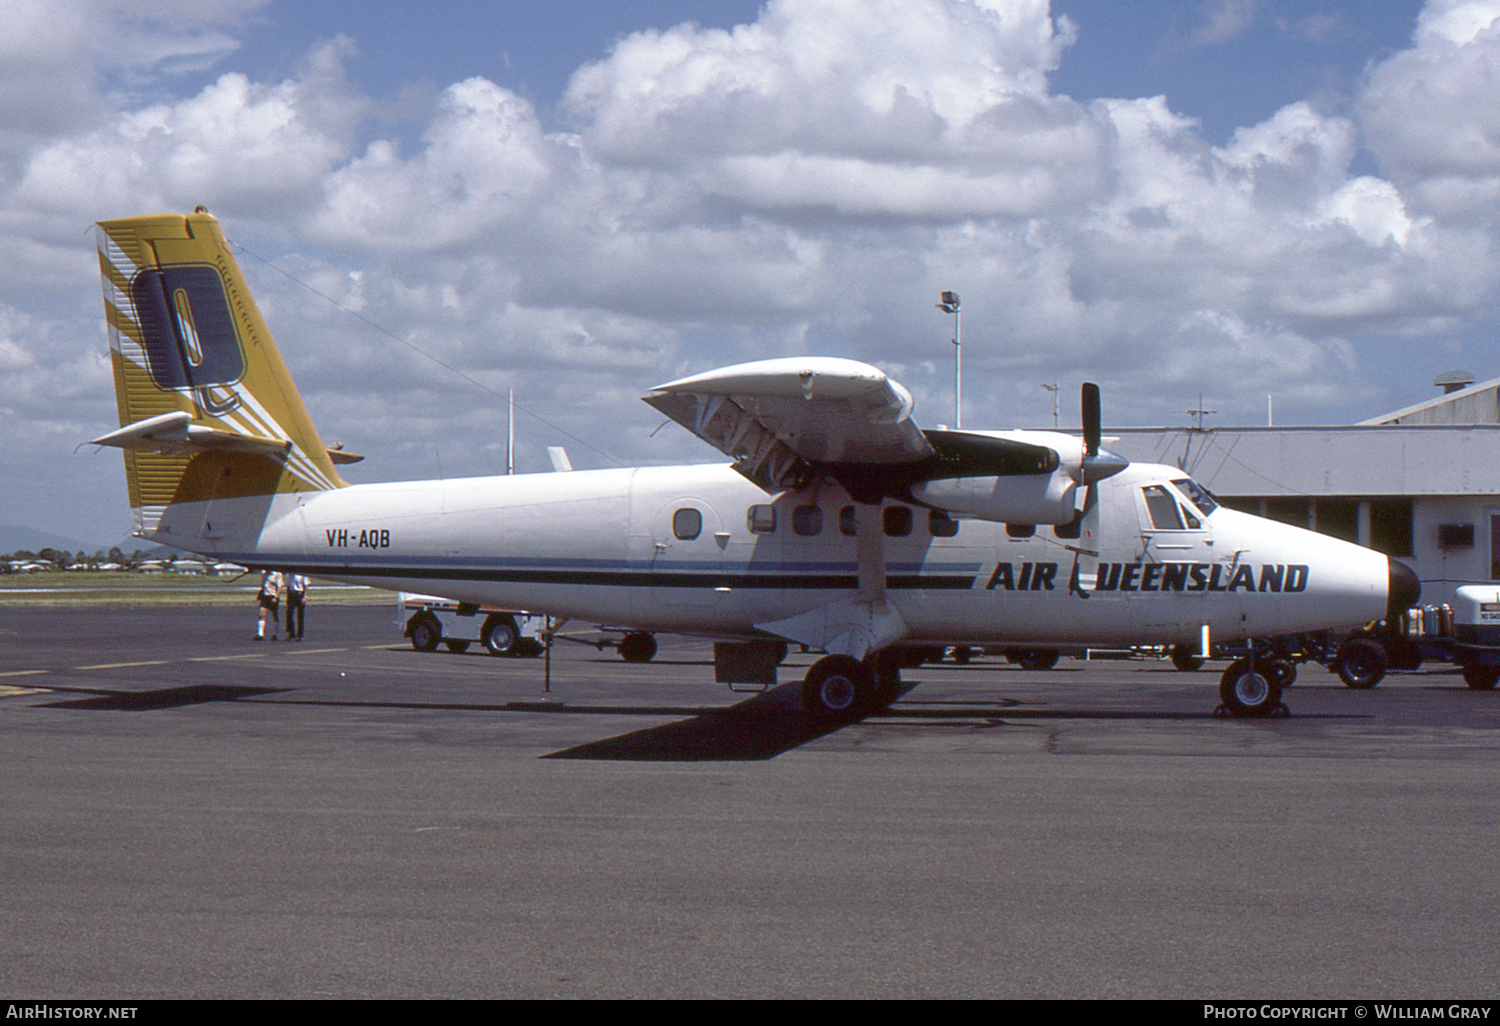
pixel 608 577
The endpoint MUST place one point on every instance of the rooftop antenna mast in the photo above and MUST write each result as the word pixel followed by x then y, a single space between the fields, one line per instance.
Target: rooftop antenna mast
pixel 1053 389
pixel 1200 412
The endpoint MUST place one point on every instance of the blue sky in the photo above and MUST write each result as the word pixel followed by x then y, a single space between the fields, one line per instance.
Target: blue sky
pixel 1238 198
pixel 1228 64
pixel 1233 64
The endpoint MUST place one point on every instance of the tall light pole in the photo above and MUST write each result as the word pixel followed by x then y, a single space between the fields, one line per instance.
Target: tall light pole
pixel 949 304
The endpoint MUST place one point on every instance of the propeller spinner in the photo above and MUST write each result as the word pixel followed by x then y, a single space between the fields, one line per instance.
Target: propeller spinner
pixel 1096 465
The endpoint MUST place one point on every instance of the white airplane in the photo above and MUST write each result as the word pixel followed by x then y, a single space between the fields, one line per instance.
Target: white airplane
pixel 839 525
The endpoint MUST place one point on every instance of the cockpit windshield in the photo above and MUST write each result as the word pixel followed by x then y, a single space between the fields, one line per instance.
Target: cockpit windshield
pixel 1200 496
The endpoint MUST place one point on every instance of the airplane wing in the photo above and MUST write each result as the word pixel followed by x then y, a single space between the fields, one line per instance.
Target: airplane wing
pixel 781 419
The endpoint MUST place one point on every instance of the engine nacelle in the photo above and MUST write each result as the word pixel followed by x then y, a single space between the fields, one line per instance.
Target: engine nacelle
pixel 1009 499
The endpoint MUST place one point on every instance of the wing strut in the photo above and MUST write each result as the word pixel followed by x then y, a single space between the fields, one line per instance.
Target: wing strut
pixel 863 623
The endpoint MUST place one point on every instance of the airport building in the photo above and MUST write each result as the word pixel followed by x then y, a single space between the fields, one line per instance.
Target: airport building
pixel 1421 484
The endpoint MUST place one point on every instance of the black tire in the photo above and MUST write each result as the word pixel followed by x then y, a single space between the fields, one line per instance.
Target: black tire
pixel 1481 678
pixel 1186 658
pixel 425 632
pixel 500 634
pixel 962 654
pixel 1361 663
pixel 1283 671
pixel 637 647
pixel 885 669
pixel 838 687
pixel 1250 692
pixel 456 647
pixel 1037 658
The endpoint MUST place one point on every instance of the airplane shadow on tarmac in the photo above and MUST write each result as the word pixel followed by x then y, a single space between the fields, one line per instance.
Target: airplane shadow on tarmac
pixel 761 727
pixel 775 721
pixel 162 698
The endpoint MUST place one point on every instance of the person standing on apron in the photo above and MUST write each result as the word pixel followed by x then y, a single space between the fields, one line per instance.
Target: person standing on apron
pixel 269 599
pixel 296 603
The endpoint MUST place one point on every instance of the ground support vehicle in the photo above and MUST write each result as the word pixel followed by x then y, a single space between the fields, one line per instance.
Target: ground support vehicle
pixel 430 621
pixel 1466 634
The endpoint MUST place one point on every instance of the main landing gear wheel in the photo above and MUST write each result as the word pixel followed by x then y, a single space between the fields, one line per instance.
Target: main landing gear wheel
pixel 1034 658
pixel 637 647
pixel 838 687
pixel 1186 658
pixel 1248 690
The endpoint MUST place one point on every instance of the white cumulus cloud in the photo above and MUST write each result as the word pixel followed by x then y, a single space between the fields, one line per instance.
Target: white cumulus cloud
pixel 807 182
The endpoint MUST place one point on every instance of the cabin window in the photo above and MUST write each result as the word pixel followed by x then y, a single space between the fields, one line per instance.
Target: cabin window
pixel 1165 516
pixel 1189 513
pixel 897 521
pixel 1197 494
pixel 940 524
pixel 807 520
pixel 761 519
pixel 687 524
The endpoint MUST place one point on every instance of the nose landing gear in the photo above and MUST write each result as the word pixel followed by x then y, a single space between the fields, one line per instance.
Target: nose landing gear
pixel 1252 687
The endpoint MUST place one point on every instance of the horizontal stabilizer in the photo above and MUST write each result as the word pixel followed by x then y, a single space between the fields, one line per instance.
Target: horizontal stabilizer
pixel 175 432
pixel 338 454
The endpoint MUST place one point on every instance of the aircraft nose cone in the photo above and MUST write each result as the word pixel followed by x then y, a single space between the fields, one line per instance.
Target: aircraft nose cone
pixel 1404 591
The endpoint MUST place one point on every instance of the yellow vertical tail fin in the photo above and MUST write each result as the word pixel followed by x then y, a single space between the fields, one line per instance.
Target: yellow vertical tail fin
pixel 208 410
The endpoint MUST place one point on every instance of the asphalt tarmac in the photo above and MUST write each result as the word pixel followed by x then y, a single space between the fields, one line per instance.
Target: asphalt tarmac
pixel 189 813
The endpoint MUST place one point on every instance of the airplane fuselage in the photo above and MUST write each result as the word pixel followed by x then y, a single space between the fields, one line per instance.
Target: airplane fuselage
pixel 700 550
pixel 841 525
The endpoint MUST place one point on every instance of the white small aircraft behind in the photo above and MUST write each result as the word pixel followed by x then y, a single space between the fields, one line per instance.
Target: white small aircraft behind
pixel 839 525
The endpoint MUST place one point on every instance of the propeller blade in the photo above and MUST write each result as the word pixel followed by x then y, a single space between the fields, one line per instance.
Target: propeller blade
pixel 1098 463
pixel 1091 418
